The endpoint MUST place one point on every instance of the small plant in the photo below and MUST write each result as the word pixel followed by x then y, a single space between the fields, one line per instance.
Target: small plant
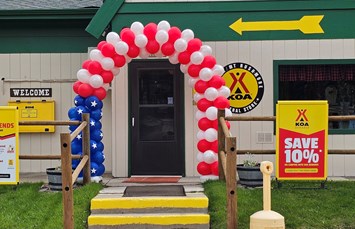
pixel 250 161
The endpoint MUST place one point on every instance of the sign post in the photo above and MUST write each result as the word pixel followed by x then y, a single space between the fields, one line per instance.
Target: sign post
pixel 302 140
pixel 9 145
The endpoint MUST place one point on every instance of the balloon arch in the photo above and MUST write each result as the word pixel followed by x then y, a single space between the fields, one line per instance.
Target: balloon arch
pixel 196 61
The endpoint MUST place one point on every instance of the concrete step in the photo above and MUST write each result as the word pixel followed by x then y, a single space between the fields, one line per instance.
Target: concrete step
pixel 149 221
pixel 115 203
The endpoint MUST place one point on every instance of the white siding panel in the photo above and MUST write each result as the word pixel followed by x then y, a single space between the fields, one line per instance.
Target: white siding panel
pixel 313 49
pixel 349 48
pixel 325 49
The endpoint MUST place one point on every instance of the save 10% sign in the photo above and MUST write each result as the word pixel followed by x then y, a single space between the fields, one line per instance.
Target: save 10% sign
pixel 299 149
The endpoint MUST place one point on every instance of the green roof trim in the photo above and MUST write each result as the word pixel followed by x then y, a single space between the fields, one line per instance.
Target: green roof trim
pixel 103 17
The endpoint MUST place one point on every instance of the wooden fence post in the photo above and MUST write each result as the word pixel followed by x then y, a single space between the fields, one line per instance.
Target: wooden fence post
pixel 221 145
pixel 67 186
pixel 86 149
pixel 231 183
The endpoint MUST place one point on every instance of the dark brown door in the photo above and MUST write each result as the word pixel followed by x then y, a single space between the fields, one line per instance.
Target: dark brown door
pixel 157 118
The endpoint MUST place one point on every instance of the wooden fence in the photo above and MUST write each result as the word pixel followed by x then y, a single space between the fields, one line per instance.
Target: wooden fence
pixel 68 177
pixel 227 157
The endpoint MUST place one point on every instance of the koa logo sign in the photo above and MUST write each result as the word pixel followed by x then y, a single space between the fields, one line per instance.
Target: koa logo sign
pixel 246 86
pixel 301 120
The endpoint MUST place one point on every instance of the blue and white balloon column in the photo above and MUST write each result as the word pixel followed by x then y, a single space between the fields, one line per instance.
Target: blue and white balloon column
pixel 93 106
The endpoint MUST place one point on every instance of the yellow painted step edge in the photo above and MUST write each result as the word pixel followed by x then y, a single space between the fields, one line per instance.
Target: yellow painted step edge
pixel 148 219
pixel 134 203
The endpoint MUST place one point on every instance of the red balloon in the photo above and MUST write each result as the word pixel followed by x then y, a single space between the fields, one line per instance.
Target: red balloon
pixel 194 70
pixel 85 90
pixel 201 86
pixel 208 62
pixel 119 60
pixel 108 50
pixel 221 103
pixel 150 30
pixel 174 34
pixel 216 82
pixel 214 146
pixel 127 35
pixel 203 145
pixel 204 123
pixel 215 124
pixel 152 46
pixel 76 86
pixel 167 49
pixel 194 45
pixel 100 44
pixel 214 168
pixel 100 93
pixel 203 104
pixel 228 125
pixel 85 64
pixel 107 76
pixel 133 51
pixel 203 168
pixel 95 67
pixel 184 57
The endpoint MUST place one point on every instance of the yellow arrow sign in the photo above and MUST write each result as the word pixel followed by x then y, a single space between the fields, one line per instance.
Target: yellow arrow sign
pixel 307 25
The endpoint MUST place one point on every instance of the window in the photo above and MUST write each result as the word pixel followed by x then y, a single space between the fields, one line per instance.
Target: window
pixel 332 82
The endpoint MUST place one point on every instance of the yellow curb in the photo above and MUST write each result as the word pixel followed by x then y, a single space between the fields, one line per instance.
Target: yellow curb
pixel 148 219
pixel 151 202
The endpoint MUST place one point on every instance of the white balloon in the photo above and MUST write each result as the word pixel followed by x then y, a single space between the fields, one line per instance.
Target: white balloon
pixel 161 36
pixel 206 50
pixel 184 67
pixel 106 86
pixel 96 54
pixel 211 134
pixel 209 157
pixel 83 75
pixel 121 47
pixel 205 74
pixel 113 38
pixel 211 93
pixel 141 40
pixel 218 70
pixel 192 81
pixel 107 63
pixel 199 157
pixel 228 112
pixel 143 53
pixel 200 134
pixel 163 25
pixel 96 81
pixel 187 34
pixel 196 57
pixel 211 113
pixel 137 27
pixel 115 71
pixel 128 59
pixel 180 45
pixel 198 96
pixel 159 54
pixel 200 114
pixel 173 59
pixel 224 91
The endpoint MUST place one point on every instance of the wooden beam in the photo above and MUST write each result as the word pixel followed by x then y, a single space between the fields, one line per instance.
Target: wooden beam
pixel 53 123
pixel 46 157
pixel 273 118
pixel 231 183
pixel 79 168
pixel 86 149
pixel 221 146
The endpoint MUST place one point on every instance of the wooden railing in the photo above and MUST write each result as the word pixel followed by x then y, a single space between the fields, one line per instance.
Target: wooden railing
pixel 227 157
pixel 68 177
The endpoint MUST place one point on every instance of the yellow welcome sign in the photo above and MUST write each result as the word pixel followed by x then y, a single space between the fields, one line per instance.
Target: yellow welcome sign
pixel 302 140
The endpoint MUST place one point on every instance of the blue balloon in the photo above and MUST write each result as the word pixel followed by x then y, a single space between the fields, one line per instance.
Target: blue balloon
pixel 96 135
pixel 94 168
pixel 79 138
pixel 93 103
pixel 97 157
pixel 72 113
pixel 96 114
pixel 79 101
pixel 73 127
pixel 80 110
pixel 101 170
pixel 93 146
pixel 75 163
pixel 95 125
pixel 100 146
pixel 76 148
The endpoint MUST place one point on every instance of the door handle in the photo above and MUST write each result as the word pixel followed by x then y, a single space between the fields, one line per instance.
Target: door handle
pixel 132 121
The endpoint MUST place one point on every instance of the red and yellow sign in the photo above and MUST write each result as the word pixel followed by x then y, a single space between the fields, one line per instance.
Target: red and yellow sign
pixel 9 145
pixel 302 140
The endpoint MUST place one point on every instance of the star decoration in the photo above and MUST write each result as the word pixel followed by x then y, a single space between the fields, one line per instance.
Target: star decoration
pixel 101 113
pixel 92 123
pixel 75 102
pixel 101 134
pixel 93 170
pixel 94 145
pixel 79 137
pixel 80 111
pixel 93 103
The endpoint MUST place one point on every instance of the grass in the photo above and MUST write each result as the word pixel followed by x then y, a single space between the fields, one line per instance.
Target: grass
pixel 23 206
pixel 303 204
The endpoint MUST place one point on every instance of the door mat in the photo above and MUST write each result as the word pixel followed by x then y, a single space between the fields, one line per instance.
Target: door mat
pixel 154 190
pixel 152 180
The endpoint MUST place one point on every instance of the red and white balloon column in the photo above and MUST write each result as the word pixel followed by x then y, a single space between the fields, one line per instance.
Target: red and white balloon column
pixel 196 61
